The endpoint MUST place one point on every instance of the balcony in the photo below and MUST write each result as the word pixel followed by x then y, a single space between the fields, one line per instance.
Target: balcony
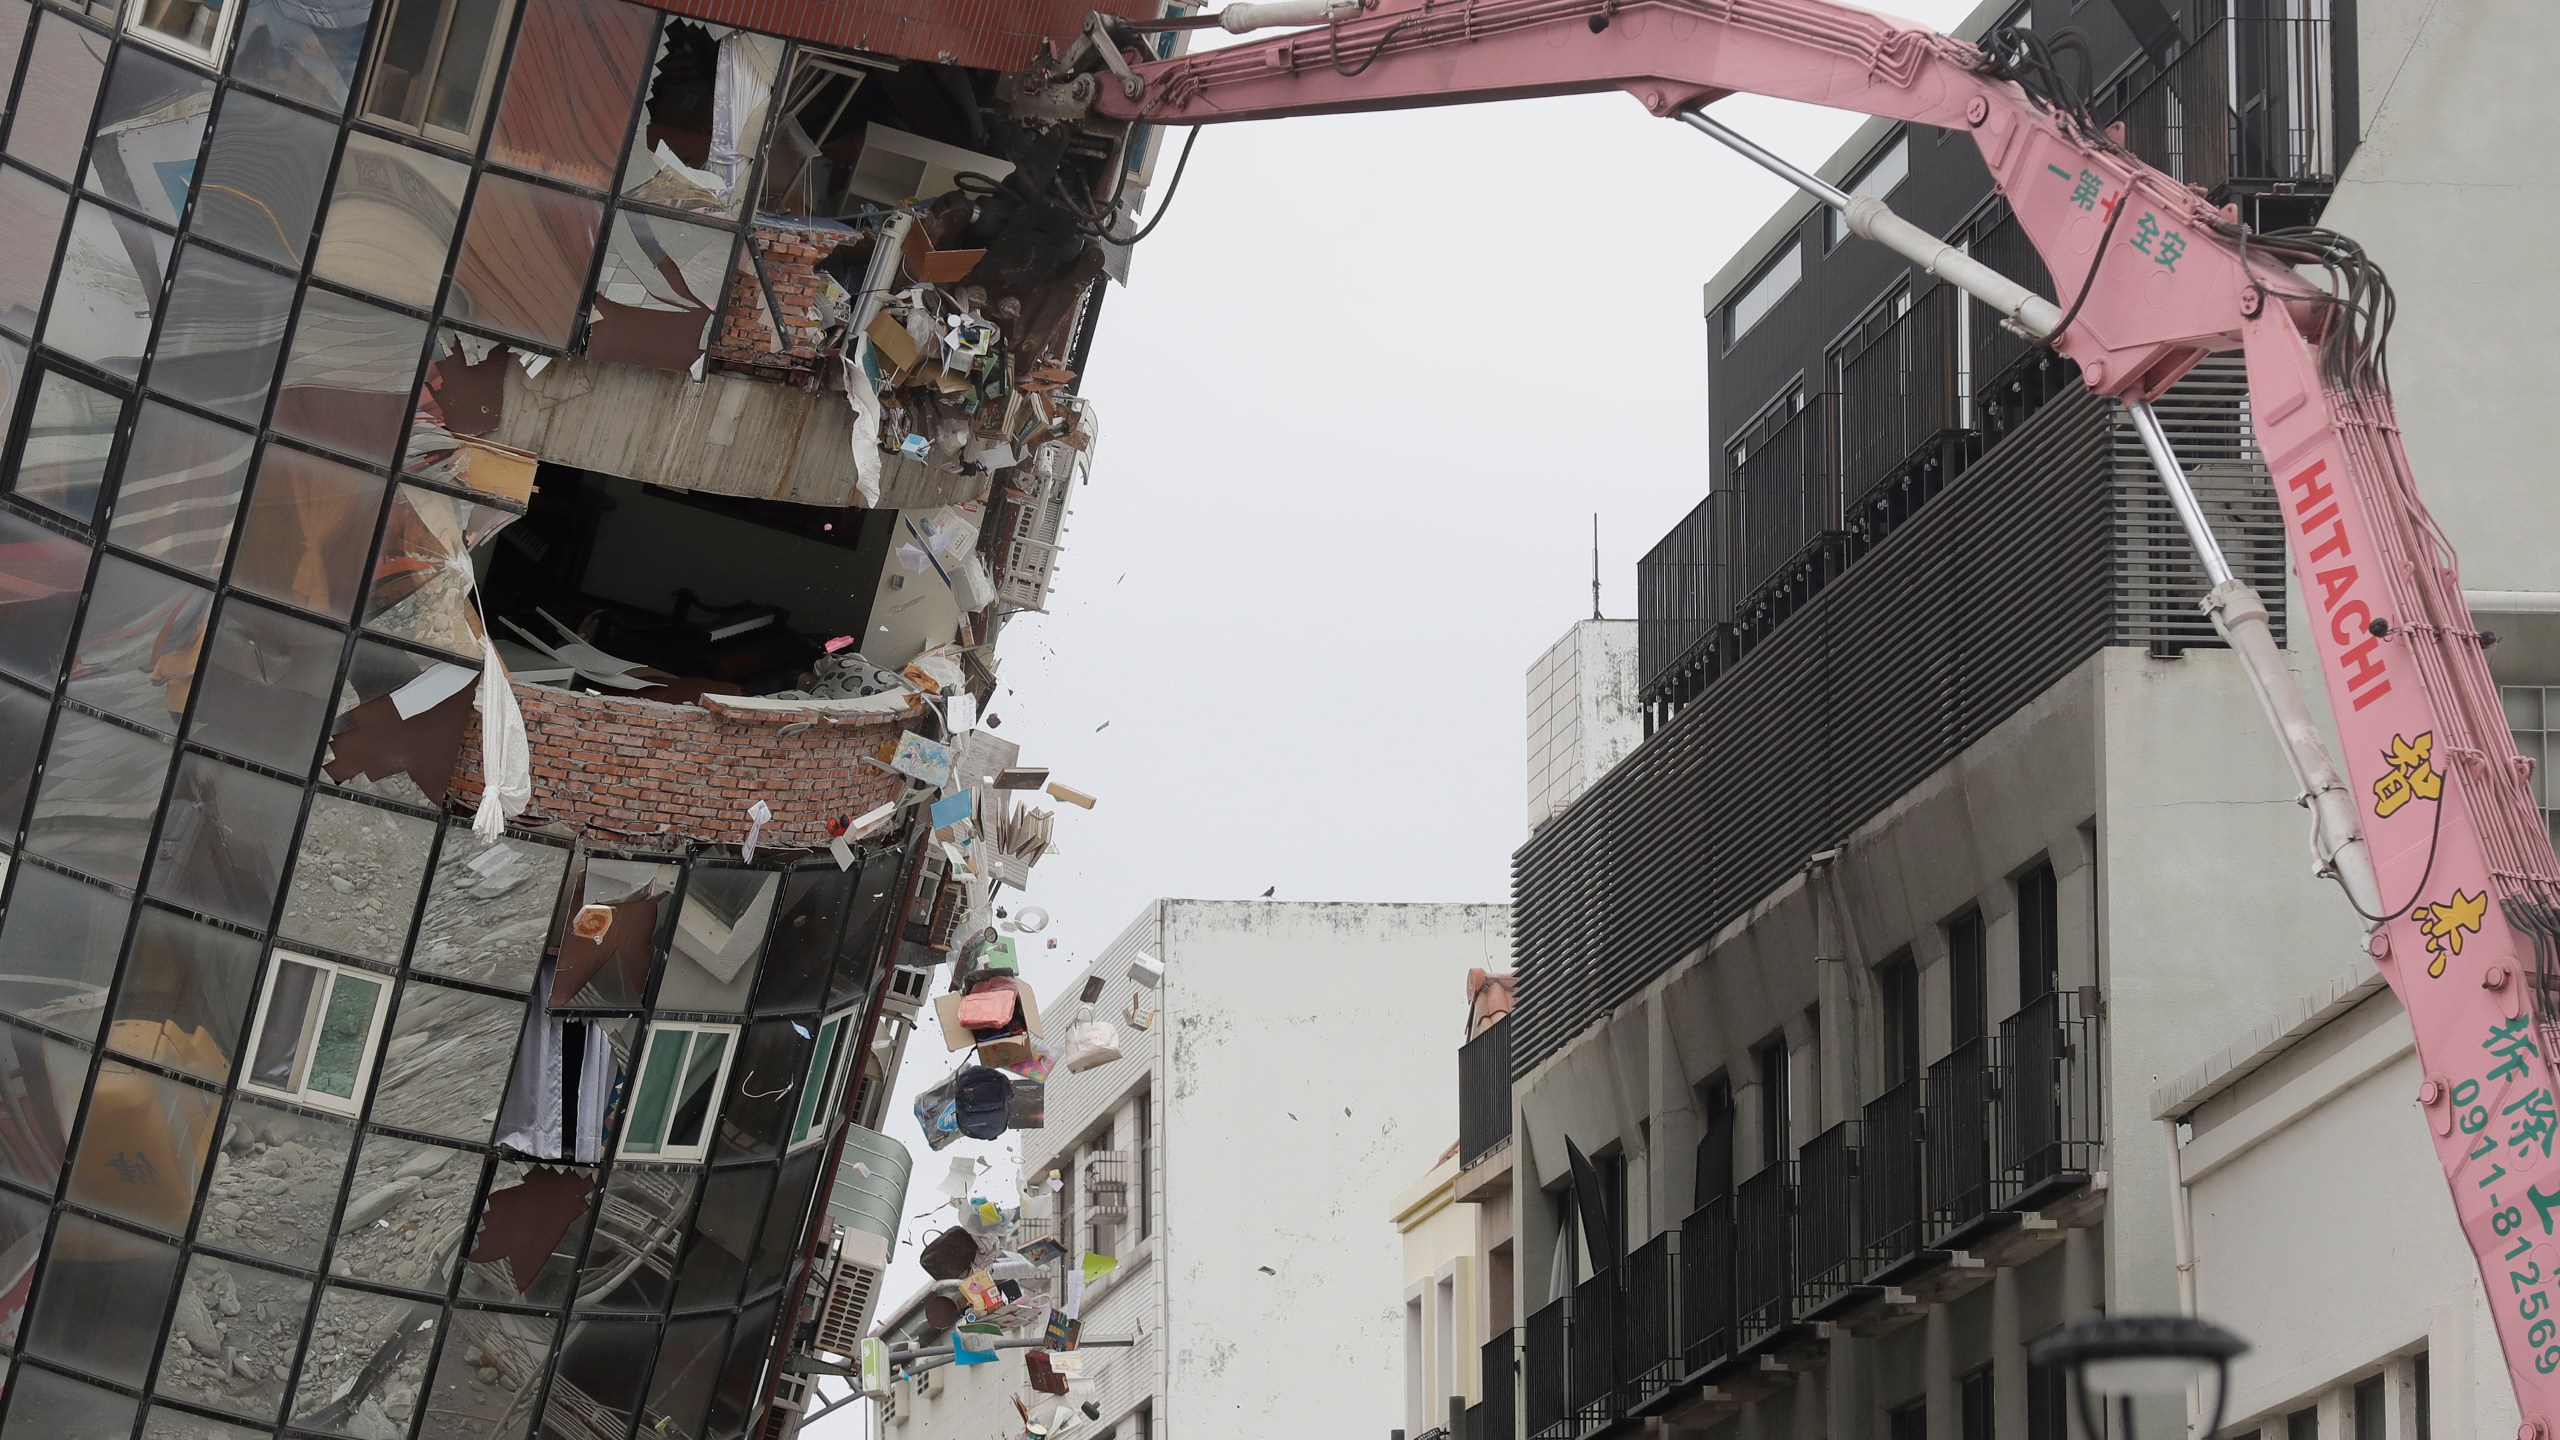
pixel 1902 409
pixel 1542 1373
pixel 1764 1253
pixel 1892 1203
pixel 1591 1378
pixel 1829 1258
pixel 1495 1417
pixel 1484 1093
pixel 1963 1088
pixel 1706 1285
pixel 2049 1115
pixel 2243 113
pixel 1648 1324
pixel 1790 509
pixel 1684 592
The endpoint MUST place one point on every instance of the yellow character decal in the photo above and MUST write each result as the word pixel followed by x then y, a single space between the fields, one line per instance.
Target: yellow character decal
pixel 2447 921
pixel 2413 774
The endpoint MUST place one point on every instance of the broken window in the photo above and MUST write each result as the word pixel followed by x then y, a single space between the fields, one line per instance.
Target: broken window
pixel 852 132
pixel 65 64
pixel 489 909
pixel 660 286
pixel 186 994
pixel 356 879
pixel 108 291
pixel 678 1087
pixel 101 786
pixel 703 119
pixel 30 235
pixel 407 1208
pixel 58 942
pixel 391 220
pixel 316 1032
pixel 570 84
pixel 524 261
pixel 150 128
pixel 180 489
pixel 399 730
pixel 226 839
pixel 559 1100
pixel 62 457
pixel 142 1147
pixel 136 658
pixel 98 1304
pixel 367 1362
pixel 821 1088
pixel 711 961
pixel 422 584
pixel 446 1063
pixel 612 938
pixel 229 1313
pixel 434 66
pixel 275 1183
pixel 263 178
pixel 531 1229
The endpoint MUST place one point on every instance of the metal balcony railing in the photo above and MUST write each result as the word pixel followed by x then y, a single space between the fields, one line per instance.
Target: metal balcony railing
pixel 1891 1193
pixel 1648 1330
pixel 1900 393
pixel 1963 1088
pixel 1706 1284
pixel 1764 1252
pixel 1484 1092
pixel 2244 108
pixel 1591 1351
pixel 1790 485
pixel 2049 1111
pixel 1496 1416
pixel 1828 1255
pixel 1542 1373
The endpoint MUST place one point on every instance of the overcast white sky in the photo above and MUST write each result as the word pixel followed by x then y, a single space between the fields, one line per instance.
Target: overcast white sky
pixel 1371 379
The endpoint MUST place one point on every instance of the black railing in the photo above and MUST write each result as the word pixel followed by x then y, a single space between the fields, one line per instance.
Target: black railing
pixel 1706 1284
pixel 2244 107
pixel 1495 1416
pixel 1684 589
pixel 1790 488
pixel 1828 1255
pixel 1963 1087
pixel 1994 355
pixel 1591 1351
pixel 1764 1251
pixel 1891 1197
pixel 1484 1092
pixel 1542 1378
pixel 1899 393
pixel 2049 1111
pixel 1648 1332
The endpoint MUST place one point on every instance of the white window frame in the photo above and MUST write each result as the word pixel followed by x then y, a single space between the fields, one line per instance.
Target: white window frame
pixel 1883 174
pixel 161 40
pixel 830 1098
pixel 299 1092
pixel 483 103
pixel 664 1151
pixel 1776 280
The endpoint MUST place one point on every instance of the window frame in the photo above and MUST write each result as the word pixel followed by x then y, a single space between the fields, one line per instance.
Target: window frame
pixel 1749 291
pixel 314 1014
pixel 225 22
pixel 1835 225
pixel 666 1152
pixel 820 1116
pixel 484 101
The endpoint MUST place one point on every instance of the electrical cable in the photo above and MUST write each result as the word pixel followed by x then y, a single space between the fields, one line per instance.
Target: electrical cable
pixel 2097 257
pixel 1171 189
pixel 1335 38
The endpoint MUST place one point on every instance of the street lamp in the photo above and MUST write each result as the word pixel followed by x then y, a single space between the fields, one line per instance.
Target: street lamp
pixel 2130 1355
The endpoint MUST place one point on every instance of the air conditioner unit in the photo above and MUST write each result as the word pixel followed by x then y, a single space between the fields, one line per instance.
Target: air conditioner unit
pixel 847 1314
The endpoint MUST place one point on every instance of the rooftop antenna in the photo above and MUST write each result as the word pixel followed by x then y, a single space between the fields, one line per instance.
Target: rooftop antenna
pixel 1595 564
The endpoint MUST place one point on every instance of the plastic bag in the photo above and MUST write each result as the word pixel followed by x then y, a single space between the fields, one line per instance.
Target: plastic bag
pixel 1091 1044
pixel 938 1115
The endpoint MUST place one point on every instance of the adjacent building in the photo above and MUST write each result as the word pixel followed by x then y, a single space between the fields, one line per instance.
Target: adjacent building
pixel 626 426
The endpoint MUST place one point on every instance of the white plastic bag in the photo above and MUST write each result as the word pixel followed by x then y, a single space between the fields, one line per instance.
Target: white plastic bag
pixel 1090 1045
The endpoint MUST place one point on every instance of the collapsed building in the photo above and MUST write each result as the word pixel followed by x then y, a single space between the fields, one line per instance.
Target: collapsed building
pixel 510 508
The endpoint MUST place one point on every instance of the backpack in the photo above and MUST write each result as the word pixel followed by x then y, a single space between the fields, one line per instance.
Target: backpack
pixel 984 1097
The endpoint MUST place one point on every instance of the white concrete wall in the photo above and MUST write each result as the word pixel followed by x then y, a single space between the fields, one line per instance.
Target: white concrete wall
pixel 2323 1233
pixel 1583 716
pixel 1313 1055
pixel 1441 1271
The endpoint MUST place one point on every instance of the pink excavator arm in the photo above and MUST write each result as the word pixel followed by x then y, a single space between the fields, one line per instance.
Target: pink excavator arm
pixel 2431 829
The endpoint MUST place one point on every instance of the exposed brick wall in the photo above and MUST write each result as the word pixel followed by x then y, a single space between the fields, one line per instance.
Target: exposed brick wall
pixel 628 769
pixel 790 259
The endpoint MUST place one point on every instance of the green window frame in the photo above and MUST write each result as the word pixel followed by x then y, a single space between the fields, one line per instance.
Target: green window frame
pixel 675 1101
pixel 819 1089
pixel 319 1024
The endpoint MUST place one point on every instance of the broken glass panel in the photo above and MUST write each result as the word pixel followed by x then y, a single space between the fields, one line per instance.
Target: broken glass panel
pixel 263 178
pixel 309 528
pixel 785 1223
pixel 43 1078
pixel 661 282
pixel 739 1391
pixel 525 261
pixel 632 1264
pixel 391 220
pixel 110 289
pixel 301 49
pixel 99 1300
pixel 724 1235
pixel 366 1364
pixel 222 852
pixel 803 947
pixel 21 1235
pixel 138 644
pixel 65 64
pixel 234 1338
pixel 407 1208
pixel 688 1365
pixel 180 489
pixel 597 1384
pixel 48 569
pixel 531 1229
pixel 149 130
pixel 70 431
pixel 605 957
pixel 186 991
pixel 142 1148
pixel 101 787
pixel 422 583
pixel 275 1183
pixel 703 121
pixel 356 879
pixel 491 1369
pixel 711 962
pixel 22 717
pixel 569 88
pixel 764 1090
pixel 168 1424
pixel 377 749
pixel 447 1062
pixel 58 943
pixel 30 235
pixel 348 376
pixel 266 686
pixel 226 325
pixel 47 1406
pixel 489 910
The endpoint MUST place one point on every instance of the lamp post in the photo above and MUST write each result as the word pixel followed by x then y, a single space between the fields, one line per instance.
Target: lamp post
pixel 2129 1355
